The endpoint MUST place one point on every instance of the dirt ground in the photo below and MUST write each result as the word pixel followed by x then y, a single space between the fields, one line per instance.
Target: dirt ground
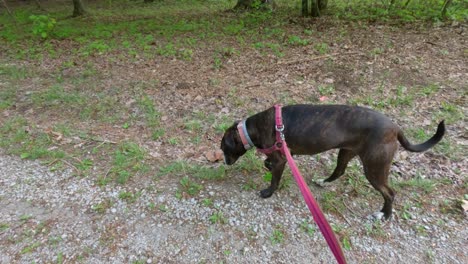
pixel 414 74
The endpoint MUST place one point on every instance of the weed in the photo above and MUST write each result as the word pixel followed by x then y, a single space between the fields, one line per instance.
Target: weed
pixel 451 112
pixel 267 177
pixel 218 218
pixel 308 228
pixel 129 196
pixel 322 48
pixel 42 25
pixel 249 186
pixel 277 237
pixel 405 214
pixel 297 41
pixel 163 208
pixel 346 243
pixel 7 97
pixel 326 90
pixel 331 203
pixel 173 141
pixel 207 202
pixel 128 160
pixel 250 163
pixel 4 226
pixel 426 185
pixel 147 106
pixel 158 133
pixel 84 165
pixel 25 218
pixel 193 125
pixel 375 229
pixel 102 207
pixel 429 89
pixel 190 187
pixel 30 248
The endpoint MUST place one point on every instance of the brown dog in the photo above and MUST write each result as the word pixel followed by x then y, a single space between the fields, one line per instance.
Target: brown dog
pixel 311 129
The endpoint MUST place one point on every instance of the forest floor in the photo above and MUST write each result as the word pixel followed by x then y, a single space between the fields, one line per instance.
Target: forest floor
pixel 110 142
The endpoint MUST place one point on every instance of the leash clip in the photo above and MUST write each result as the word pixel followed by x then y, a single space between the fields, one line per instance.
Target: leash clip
pixel 280 129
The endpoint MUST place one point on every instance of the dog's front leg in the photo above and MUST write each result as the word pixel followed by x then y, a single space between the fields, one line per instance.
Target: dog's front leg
pixel 275 164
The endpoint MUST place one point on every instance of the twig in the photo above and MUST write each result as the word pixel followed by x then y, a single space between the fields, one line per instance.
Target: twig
pixel 349 209
pixel 71 165
pixel 319 58
pixel 104 141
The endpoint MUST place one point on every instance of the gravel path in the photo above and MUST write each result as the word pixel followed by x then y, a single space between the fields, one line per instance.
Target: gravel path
pixel 55 217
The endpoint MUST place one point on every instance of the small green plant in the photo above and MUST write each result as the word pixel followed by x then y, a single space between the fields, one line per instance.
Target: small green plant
pixel 308 228
pixel 128 160
pixel 249 186
pixel 148 108
pixel 346 243
pixel 102 207
pixel 4 226
pixel 42 25
pixel 173 141
pixel 193 125
pixel 218 218
pixel 30 248
pixel 207 202
pixel 157 134
pixel 267 176
pixel 277 237
pixel 375 229
pixel 129 196
pixel 297 41
pixel 326 90
pixel 25 218
pixel 84 165
pixel 322 48
pixel 190 187
pixel 163 208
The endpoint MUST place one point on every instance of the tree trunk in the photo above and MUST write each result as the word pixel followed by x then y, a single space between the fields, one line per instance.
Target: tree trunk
pixel 254 4
pixel 305 8
pixel 78 9
pixel 315 8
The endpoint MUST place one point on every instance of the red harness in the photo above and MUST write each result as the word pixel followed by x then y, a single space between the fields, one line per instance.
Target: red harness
pixel 280 145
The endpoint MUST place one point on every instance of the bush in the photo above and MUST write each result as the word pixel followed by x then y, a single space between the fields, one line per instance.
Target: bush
pixel 43 25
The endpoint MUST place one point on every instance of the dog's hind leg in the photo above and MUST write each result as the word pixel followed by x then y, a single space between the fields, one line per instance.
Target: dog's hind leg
pixel 377 169
pixel 344 156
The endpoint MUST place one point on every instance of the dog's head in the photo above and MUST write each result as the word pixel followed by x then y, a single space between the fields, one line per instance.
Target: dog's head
pixel 231 145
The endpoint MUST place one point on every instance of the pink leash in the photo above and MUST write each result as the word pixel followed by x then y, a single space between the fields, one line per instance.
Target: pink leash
pixel 314 208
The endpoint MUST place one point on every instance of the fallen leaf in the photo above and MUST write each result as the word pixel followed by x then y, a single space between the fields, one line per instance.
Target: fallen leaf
pixel 214 156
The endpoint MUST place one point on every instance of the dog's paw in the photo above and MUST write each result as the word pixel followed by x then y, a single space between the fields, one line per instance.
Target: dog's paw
pixel 377 216
pixel 322 183
pixel 266 193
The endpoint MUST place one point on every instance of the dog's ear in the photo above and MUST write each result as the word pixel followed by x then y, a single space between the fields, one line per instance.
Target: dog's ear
pixel 230 141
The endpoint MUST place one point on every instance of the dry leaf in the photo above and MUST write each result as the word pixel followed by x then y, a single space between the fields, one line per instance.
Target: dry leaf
pixel 214 156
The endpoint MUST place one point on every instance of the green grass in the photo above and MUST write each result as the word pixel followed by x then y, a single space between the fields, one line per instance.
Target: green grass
pixel 128 160
pixel 278 236
pixel 17 138
pixel 129 197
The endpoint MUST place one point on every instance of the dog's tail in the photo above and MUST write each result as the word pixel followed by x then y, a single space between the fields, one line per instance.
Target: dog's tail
pixel 423 146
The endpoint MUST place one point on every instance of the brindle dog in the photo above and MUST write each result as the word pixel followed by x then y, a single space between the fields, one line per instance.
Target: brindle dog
pixel 311 129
